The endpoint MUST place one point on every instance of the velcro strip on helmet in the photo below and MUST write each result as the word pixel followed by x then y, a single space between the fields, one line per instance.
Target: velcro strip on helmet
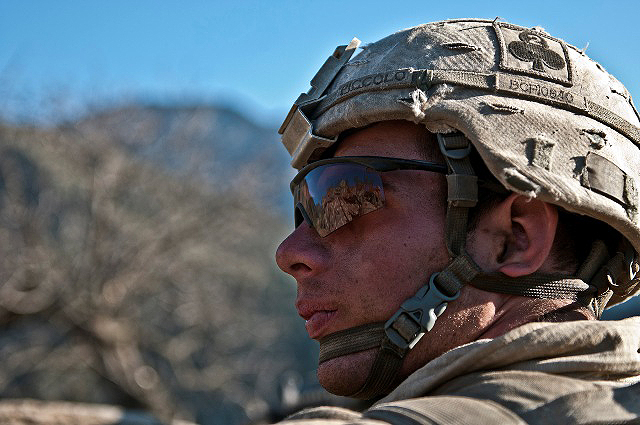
pixel 604 177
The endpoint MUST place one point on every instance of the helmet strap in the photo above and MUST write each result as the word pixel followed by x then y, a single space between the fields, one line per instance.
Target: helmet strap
pixel 418 314
pixel 613 276
pixel 462 195
pixel 394 339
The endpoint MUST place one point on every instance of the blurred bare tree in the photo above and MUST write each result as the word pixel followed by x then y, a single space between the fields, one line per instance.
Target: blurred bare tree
pixel 126 281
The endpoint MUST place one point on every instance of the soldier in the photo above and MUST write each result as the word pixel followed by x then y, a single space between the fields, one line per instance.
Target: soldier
pixel 466 208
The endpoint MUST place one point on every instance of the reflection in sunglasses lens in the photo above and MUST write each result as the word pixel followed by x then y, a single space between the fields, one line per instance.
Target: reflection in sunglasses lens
pixel 334 194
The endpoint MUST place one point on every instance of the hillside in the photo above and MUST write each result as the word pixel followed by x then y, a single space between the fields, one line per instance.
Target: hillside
pixel 138 272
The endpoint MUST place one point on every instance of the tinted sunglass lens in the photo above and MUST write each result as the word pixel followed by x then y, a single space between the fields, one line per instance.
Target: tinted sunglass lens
pixel 332 195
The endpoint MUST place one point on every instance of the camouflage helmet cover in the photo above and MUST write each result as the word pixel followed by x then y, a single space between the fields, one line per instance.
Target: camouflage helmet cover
pixel 547 121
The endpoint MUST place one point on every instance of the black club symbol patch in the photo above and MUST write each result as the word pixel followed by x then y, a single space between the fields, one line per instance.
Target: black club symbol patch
pixel 534 48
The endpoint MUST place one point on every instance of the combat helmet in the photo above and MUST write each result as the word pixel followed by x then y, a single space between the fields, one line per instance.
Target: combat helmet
pixel 546 120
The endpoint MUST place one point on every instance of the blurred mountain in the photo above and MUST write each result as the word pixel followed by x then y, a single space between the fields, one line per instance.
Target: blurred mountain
pixel 136 253
pixel 205 140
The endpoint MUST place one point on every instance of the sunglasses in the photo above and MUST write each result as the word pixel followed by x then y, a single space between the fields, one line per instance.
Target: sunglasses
pixel 332 192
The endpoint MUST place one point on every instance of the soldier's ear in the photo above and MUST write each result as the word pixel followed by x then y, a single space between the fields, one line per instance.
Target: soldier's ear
pixel 515 236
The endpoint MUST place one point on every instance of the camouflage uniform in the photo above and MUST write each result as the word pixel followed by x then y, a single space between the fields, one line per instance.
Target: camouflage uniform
pixel 540 373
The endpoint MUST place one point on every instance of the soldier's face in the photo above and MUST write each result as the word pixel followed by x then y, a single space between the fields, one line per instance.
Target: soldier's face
pixel 363 271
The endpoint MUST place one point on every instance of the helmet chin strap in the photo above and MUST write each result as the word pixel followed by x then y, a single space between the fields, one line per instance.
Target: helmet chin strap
pixel 417 315
pixel 394 339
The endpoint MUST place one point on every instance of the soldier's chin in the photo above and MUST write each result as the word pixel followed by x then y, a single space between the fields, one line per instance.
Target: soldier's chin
pixel 345 375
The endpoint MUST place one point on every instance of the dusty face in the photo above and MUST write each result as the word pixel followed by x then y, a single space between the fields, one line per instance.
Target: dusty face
pixel 363 271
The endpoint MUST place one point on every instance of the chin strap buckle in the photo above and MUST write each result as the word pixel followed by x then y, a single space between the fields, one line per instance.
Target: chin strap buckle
pixel 417 315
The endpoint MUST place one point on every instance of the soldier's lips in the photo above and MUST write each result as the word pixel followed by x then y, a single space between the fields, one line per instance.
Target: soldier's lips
pixel 318 323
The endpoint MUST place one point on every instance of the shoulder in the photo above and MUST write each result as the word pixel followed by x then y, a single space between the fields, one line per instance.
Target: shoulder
pixel 599 404
pixel 422 411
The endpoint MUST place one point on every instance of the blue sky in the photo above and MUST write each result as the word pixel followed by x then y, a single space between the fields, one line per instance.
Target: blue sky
pixel 256 55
